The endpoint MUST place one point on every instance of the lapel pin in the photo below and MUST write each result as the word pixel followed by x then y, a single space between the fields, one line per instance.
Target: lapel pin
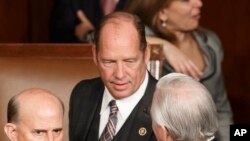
pixel 142 131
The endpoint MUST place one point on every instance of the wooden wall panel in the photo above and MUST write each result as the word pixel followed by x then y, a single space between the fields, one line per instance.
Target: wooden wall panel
pixel 230 19
pixel 24 20
pixel 39 18
pixel 14 21
pixel 55 67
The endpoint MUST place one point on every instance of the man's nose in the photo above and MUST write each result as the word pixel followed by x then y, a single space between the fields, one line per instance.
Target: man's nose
pixel 119 70
pixel 50 137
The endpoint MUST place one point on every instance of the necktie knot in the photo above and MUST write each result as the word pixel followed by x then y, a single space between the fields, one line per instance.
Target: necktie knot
pixel 113 107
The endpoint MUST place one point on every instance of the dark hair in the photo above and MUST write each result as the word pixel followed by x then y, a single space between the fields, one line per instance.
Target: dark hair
pixel 138 24
pixel 12 110
pixel 148 10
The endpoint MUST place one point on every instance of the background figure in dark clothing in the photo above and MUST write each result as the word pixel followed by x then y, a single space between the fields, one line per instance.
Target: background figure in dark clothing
pixel 72 20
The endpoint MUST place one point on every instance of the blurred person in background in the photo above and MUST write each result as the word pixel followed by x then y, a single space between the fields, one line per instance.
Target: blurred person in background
pixel 188 48
pixel 72 21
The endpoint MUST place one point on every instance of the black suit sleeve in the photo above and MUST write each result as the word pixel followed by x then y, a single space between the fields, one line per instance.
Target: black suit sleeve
pixel 83 104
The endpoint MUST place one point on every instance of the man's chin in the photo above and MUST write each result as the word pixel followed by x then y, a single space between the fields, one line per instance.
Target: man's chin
pixel 120 94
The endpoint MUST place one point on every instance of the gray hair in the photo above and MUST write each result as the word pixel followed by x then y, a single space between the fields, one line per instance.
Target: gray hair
pixel 185 108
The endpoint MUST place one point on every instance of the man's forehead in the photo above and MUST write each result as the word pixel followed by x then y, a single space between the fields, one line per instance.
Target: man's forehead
pixel 119 23
pixel 122 29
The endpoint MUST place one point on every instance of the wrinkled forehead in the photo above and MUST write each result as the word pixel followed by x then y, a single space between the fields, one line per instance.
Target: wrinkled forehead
pixel 42 101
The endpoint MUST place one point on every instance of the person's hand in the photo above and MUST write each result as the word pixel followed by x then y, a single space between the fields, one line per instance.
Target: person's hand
pixel 177 59
pixel 180 62
pixel 84 26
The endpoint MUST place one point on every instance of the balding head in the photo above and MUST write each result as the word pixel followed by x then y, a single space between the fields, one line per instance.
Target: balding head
pixel 118 19
pixel 35 114
pixel 30 98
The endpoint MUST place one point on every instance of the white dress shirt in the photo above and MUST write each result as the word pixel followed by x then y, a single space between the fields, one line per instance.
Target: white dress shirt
pixel 125 106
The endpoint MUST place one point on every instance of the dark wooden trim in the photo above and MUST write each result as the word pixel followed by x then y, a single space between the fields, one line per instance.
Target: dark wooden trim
pixel 156 52
pixel 46 50
pixel 60 50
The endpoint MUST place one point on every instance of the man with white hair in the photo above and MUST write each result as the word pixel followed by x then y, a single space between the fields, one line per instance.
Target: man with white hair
pixel 183 110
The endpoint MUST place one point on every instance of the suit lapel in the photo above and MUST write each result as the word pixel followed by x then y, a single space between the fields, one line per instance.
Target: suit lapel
pixel 142 126
pixel 138 126
pixel 96 95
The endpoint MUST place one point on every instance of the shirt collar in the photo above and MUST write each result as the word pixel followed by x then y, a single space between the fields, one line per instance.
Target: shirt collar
pixel 125 105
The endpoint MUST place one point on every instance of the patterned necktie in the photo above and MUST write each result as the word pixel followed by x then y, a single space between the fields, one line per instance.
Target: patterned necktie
pixel 108 6
pixel 109 131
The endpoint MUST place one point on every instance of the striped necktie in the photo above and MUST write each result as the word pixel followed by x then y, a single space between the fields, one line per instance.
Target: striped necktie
pixel 109 131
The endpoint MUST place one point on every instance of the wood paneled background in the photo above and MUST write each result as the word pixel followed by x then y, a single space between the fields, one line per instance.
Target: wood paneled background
pixel 230 19
pixel 27 21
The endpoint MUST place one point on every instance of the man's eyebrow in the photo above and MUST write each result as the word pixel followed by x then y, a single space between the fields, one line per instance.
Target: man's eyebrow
pixel 58 129
pixel 132 58
pixel 40 130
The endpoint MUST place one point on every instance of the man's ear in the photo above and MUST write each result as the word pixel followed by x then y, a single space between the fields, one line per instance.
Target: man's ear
pixel 11 131
pixel 147 54
pixel 164 132
pixel 167 133
pixel 94 54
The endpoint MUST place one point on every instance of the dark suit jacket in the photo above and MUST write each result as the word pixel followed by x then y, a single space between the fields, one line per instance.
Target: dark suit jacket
pixel 85 105
pixel 63 17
